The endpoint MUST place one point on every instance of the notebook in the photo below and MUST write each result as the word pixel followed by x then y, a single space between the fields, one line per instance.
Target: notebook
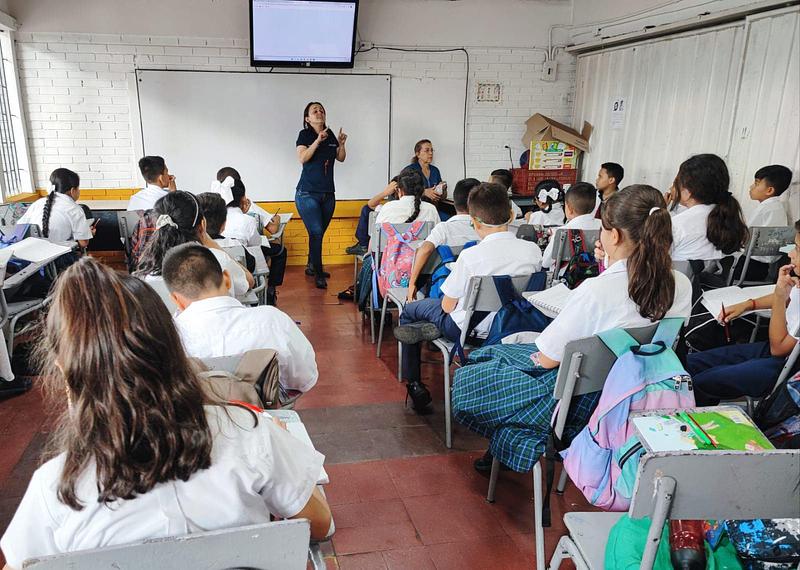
pixel 712 428
pixel 550 301
pixel 37 250
pixel 714 299
pixel 294 425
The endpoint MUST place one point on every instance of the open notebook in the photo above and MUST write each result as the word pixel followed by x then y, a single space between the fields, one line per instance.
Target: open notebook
pixel 294 426
pixel 714 299
pixel 550 301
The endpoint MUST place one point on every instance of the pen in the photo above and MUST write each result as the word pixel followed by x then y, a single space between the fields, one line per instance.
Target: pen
pixel 698 431
pixel 726 327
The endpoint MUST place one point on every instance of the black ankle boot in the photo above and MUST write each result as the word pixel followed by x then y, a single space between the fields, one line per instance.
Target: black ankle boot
pixel 320 282
pixel 420 396
pixel 311 273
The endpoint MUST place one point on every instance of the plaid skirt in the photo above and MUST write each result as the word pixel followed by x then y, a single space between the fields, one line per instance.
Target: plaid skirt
pixel 501 395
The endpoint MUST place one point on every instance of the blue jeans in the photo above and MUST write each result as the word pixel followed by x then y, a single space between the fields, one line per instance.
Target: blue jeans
pixel 428 310
pixel 316 210
pixel 363 229
pixel 730 372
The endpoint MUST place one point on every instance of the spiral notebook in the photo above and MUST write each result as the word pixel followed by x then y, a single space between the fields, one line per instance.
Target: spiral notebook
pixel 550 301
pixel 714 299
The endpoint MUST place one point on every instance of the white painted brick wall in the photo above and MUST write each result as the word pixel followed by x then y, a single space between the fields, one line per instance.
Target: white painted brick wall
pixel 78 104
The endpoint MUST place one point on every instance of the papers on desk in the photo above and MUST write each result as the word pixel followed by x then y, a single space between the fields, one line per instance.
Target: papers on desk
pixel 35 250
pixel 294 426
pixel 550 301
pixel 714 299
pixel 277 235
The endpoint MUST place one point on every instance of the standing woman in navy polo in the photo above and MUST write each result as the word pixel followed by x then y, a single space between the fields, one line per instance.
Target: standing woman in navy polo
pixel 318 150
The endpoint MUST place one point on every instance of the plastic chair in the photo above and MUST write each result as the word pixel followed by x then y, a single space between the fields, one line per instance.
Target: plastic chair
pixel 764 242
pixel 561 249
pixel 584 369
pixel 669 485
pixel 356 258
pixel 127 222
pixel 282 545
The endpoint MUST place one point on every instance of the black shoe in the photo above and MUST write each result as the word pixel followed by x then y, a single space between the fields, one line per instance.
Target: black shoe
pixel 346 295
pixel 420 397
pixel 320 282
pixel 415 333
pixel 272 296
pixel 311 273
pixel 484 464
pixel 356 249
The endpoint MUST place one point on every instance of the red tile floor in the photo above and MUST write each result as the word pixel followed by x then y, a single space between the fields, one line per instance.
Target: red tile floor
pixel 400 498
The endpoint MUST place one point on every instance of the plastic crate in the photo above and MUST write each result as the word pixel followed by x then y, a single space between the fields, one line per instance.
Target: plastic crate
pixel 525 180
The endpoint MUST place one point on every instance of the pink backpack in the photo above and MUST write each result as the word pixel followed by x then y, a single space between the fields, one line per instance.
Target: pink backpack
pixel 603 458
pixel 398 256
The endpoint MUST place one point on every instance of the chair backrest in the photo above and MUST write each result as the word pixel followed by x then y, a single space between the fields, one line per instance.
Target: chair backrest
pixel 528 232
pixel 587 362
pixel 767 241
pixel 435 259
pixel 738 485
pixel 281 545
pixel 127 223
pixel 684 267
pixel 236 252
pixel 261 262
pixel 252 376
pixel 561 249
pixel 160 287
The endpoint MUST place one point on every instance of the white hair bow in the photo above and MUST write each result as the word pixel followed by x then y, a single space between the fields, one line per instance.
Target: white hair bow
pixel 546 193
pixel 51 189
pixel 224 188
pixel 165 220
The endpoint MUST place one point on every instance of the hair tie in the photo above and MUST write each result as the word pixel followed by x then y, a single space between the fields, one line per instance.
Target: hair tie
pixel 51 189
pixel 653 209
pixel 224 188
pixel 165 220
pixel 545 193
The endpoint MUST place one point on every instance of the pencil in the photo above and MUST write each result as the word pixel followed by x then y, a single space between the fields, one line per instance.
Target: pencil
pixel 726 327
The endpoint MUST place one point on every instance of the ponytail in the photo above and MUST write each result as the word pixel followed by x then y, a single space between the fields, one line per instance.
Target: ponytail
pixel 410 182
pixel 706 178
pixel 417 203
pixel 641 214
pixel 62 181
pixel 183 211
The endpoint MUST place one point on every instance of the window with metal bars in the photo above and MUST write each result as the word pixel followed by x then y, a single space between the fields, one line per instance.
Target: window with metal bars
pixel 14 161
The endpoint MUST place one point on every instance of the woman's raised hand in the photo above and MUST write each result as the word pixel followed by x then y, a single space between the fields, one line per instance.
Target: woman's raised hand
pixel 342 136
pixel 322 136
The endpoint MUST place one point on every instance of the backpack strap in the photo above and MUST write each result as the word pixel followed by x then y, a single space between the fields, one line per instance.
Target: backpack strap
pixel 618 341
pixel 537 282
pixel 668 330
pixel 445 254
pixel 505 288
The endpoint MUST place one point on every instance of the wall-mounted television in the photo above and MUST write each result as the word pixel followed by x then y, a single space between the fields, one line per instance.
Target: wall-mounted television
pixel 302 33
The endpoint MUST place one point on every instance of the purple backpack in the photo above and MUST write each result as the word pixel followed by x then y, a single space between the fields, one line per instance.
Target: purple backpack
pixel 398 257
pixel 603 458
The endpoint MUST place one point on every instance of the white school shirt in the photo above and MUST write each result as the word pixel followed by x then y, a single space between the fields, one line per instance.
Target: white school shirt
pixel 602 303
pixel 769 213
pixel 555 217
pixel 583 222
pixel 264 217
pixel 67 219
pixel 241 227
pixel 457 230
pixel 146 198
pixel 793 313
pixel 689 241
pixel 239 284
pixel 500 253
pixel 398 211
pixel 515 210
pixel 255 470
pixel 221 326
pixel 679 209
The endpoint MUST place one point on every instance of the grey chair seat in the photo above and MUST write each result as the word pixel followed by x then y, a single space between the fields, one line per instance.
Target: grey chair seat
pixel 590 533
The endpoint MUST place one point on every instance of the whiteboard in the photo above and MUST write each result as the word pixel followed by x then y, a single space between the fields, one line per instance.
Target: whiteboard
pixel 429 109
pixel 201 121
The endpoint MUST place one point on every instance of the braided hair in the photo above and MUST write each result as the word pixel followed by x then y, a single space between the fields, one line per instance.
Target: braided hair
pixel 63 181
pixel 411 183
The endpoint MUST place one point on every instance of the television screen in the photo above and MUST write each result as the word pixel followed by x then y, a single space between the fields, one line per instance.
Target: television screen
pixel 302 33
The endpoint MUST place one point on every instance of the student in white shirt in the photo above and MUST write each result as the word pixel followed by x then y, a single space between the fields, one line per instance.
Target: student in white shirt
pixel 212 324
pixel 409 206
pixel 455 231
pixel 504 177
pixel 638 286
pixel 550 201
pixel 144 453
pixel 731 372
pixel 58 216
pixel 244 222
pixel 579 202
pixel 159 183
pixel 608 180
pixel 713 225
pixel 498 253
pixel 180 220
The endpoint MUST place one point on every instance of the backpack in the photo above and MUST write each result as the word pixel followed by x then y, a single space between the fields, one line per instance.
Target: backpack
pixel 398 256
pixel 254 381
pixel 142 234
pixel 779 415
pixel 515 315
pixel 441 271
pixel 581 265
pixel 603 458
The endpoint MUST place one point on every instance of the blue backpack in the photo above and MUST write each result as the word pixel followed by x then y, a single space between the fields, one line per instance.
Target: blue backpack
pixel 516 314
pixel 441 271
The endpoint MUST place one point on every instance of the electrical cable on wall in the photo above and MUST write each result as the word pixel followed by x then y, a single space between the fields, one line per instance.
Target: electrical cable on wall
pixel 466 82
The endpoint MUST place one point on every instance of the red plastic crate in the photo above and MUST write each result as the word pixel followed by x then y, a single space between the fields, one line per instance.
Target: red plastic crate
pixel 525 180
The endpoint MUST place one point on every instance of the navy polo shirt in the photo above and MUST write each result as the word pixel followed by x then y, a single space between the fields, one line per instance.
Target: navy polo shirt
pixel 434 178
pixel 317 174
